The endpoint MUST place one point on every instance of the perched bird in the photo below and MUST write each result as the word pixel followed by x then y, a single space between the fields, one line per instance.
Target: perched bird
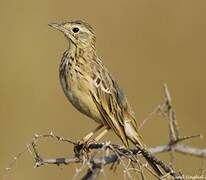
pixel 90 87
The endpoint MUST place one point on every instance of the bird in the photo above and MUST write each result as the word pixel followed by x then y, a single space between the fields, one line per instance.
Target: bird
pixel 91 89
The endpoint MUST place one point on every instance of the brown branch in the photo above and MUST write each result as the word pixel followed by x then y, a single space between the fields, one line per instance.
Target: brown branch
pixel 96 162
pixel 171 116
pixel 56 161
pixel 180 148
pixel 115 157
pixel 117 154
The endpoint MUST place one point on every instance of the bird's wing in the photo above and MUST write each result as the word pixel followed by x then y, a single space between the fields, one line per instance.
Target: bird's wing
pixel 111 102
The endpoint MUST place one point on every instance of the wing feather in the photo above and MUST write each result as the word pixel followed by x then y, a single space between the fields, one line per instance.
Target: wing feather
pixel 111 102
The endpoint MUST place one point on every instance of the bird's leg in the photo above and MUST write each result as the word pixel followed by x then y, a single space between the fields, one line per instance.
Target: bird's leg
pixel 80 147
pixel 101 134
pixel 98 137
pixel 88 136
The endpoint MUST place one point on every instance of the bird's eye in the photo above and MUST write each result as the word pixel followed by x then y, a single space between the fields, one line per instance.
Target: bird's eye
pixel 75 29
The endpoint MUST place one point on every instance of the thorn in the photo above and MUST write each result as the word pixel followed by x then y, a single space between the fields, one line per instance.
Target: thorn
pixel 36 136
pixel 107 143
pixel 51 133
pixel 37 164
pixel 77 170
pixel 201 136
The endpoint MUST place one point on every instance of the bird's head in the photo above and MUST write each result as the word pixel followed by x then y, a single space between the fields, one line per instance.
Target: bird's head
pixel 78 32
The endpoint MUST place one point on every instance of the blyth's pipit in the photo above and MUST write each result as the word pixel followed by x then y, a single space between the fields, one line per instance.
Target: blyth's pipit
pixel 90 87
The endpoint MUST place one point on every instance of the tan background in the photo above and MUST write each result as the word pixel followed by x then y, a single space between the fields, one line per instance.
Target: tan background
pixel 144 44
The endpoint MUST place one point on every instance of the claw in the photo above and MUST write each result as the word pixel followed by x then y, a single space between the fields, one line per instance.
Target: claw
pixel 82 148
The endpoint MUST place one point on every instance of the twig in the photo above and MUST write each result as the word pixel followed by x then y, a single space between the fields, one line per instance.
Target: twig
pixel 173 127
pixel 150 115
pixel 180 148
pixel 57 161
pixel 117 154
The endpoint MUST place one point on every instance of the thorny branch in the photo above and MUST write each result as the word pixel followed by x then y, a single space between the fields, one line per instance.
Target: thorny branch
pixel 112 154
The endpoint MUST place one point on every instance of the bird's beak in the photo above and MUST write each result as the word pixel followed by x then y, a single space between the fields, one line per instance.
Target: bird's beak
pixel 60 27
pixel 57 26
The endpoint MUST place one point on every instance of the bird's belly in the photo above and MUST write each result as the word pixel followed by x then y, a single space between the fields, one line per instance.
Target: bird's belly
pixel 81 99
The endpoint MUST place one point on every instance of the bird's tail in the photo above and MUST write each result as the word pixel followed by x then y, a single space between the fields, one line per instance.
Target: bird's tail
pixel 139 143
pixel 135 138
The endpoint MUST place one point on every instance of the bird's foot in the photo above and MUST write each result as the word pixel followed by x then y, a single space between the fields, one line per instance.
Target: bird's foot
pixel 82 148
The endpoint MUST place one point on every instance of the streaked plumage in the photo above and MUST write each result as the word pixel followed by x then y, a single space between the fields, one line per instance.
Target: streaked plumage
pixel 90 87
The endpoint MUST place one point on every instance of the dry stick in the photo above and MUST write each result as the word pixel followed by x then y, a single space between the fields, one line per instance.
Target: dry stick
pixel 81 168
pixel 173 133
pixel 150 115
pixel 171 116
pixel 180 148
pixel 119 154
pixel 203 167
pixel 166 109
pixel 141 166
pixel 173 127
pixel 97 163
pixel 93 172
pixel 141 170
pixel 174 136
pixel 187 150
pixel 114 157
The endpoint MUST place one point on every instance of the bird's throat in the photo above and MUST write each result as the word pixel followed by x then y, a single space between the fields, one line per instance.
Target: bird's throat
pixel 76 52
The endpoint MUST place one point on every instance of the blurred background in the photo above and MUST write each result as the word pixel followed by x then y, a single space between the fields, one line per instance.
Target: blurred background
pixel 143 43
